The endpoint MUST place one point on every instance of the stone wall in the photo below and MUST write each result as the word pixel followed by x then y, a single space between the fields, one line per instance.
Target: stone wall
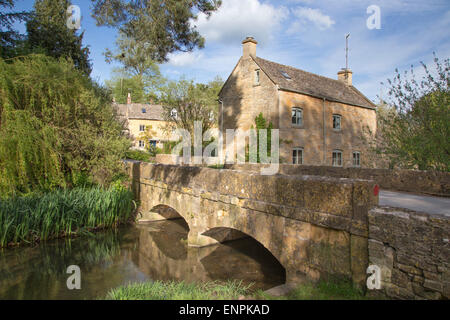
pixel 427 182
pixel 413 252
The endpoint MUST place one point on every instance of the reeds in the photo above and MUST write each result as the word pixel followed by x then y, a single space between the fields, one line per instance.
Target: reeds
pixel 62 213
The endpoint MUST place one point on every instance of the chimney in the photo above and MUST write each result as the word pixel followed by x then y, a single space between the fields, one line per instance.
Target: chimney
pixel 249 46
pixel 345 75
pixel 129 98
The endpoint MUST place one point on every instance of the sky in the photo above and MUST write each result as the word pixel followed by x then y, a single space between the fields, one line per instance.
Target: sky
pixel 305 34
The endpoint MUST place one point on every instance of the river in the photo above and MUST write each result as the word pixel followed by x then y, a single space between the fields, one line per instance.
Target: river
pixel 134 253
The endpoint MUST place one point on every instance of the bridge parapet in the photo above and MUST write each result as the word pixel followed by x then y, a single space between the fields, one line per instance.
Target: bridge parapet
pixel 315 226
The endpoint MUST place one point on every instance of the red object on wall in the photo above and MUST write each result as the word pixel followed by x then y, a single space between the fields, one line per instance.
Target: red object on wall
pixel 376 190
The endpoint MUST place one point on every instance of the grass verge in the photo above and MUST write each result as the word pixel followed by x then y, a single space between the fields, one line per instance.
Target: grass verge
pixel 172 290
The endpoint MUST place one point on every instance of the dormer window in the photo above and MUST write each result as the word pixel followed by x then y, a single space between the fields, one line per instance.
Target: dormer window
pixel 144 110
pixel 257 76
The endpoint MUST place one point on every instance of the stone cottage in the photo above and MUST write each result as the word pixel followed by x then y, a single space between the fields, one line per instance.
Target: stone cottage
pixel 322 121
pixel 138 117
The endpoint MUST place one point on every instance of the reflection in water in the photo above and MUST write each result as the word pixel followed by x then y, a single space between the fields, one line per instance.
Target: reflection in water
pixel 156 251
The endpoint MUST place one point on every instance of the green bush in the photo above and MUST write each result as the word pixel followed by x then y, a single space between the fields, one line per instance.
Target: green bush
pixel 138 155
pixel 63 212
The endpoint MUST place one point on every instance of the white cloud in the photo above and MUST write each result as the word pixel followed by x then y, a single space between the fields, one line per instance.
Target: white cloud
pixel 182 59
pixel 309 15
pixel 237 19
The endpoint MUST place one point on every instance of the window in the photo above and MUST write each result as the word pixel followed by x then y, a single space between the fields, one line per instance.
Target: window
pixel 153 143
pixel 174 114
pixel 142 128
pixel 297 116
pixel 141 144
pixel 144 110
pixel 285 75
pixel 336 122
pixel 337 158
pixel 356 159
pixel 257 73
pixel 297 156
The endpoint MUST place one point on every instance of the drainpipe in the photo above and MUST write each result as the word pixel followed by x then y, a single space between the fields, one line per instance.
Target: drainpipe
pixel 324 135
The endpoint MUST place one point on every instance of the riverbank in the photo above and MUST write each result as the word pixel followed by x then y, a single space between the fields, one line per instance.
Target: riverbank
pixel 61 213
pixel 232 290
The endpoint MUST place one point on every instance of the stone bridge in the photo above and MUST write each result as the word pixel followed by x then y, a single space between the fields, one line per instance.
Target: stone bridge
pixel 315 227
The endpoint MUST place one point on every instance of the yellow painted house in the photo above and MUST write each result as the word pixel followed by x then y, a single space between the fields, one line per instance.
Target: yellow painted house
pixel 138 117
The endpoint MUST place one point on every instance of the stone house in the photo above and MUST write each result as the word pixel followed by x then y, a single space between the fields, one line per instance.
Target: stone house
pixel 138 117
pixel 321 121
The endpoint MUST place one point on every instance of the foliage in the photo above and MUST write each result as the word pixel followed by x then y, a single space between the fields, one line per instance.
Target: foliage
pixel 48 33
pixel 191 102
pixel 40 217
pixel 158 27
pixel 415 133
pixel 261 125
pixel 9 37
pixel 171 290
pixel 55 123
pixel 138 155
pixel 141 88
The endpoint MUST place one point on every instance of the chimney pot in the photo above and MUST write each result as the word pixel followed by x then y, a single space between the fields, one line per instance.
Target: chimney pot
pixel 249 47
pixel 129 98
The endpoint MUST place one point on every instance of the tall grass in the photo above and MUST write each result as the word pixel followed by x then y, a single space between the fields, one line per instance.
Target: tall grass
pixel 62 212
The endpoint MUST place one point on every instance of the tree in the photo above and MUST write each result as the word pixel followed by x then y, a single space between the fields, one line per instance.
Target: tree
pixel 48 33
pixel 158 27
pixel 56 126
pixel 416 134
pixel 261 125
pixel 9 37
pixel 142 88
pixel 185 102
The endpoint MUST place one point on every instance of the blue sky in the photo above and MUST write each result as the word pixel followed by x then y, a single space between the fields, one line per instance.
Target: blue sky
pixel 306 34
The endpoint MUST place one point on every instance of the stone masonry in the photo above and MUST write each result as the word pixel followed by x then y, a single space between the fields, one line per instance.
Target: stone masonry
pixel 316 230
pixel 413 251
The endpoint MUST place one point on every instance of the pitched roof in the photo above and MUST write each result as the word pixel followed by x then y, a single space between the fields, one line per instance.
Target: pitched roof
pixel 135 111
pixel 300 81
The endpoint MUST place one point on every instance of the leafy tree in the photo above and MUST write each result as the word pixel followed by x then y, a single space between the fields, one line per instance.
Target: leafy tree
pixel 415 134
pixel 48 33
pixel 56 126
pixel 132 55
pixel 185 102
pixel 9 37
pixel 158 27
pixel 143 88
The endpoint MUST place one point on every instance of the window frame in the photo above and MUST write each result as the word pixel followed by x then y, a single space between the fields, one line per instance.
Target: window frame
pixel 295 109
pixel 338 116
pixel 341 158
pixel 297 149
pixel 359 159
pixel 141 142
pixel 257 77
pixel 142 128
